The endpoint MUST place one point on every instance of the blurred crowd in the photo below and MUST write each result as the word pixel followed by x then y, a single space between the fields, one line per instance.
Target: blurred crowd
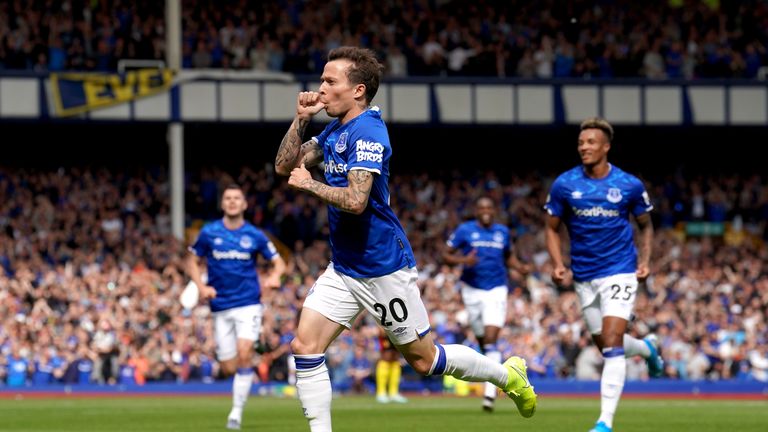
pixel 528 39
pixel 90 276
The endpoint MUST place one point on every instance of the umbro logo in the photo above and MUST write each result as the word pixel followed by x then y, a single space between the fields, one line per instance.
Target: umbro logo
pixel 399 330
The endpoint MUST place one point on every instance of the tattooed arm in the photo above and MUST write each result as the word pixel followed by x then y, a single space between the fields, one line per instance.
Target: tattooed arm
pixel 289 153
pixel 351 199
pixel 312 154
pixel 292 153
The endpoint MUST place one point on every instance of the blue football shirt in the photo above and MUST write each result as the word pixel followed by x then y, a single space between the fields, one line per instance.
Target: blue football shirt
pixel 127 374
pixel 84 370
pixel 492 244
pixel 596 213
pixel 231 257
pixel 43 373
pixel 16 371
pixel 373 243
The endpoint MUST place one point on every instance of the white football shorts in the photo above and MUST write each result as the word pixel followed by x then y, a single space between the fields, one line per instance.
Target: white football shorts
pixel 394 299
pixel 485 307
pixel 237 323
pixel 609 296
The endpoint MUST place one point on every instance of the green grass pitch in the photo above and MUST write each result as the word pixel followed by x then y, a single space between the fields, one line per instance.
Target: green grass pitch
pixel 363 414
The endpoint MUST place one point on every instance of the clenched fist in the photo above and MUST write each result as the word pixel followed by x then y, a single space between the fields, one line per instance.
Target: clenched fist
pixel 308 104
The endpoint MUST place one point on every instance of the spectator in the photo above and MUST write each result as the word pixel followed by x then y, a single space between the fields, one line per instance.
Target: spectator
pixel 18 368
pixel 104 342
pixel 758 359
pixel 610 43
pixel 359 370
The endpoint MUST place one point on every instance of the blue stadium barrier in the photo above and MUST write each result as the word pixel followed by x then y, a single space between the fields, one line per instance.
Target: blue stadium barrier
pixel 543 387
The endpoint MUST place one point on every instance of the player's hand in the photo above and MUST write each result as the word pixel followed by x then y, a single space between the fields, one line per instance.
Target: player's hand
pixel 207 292
pixel 299 177
pixel 272 282
pixel 470 259
pixel 643 271
pixel 526 269
pixel 562 276
pixel 308 104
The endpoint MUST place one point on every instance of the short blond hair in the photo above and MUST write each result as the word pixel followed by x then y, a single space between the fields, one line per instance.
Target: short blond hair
pixel 598 123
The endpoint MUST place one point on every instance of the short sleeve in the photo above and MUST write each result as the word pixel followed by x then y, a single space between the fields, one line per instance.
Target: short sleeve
pixel 267 249
pixel 641 201
pixel 202 245
pixel 368 151
pixel 456 240
pixel 554 204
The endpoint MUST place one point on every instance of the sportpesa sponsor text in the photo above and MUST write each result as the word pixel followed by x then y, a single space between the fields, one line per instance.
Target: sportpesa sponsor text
pixel 487 244
pixel 333 167
pixel 231 254
pixel 597 211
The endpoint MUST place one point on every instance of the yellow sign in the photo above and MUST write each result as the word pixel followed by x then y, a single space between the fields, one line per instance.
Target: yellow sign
pixel 76 93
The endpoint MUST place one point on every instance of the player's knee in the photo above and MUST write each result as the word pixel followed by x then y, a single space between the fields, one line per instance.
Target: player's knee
pixel 612 340
pixel 244 360
pixel 421 365
pixel 301 347
pixel 228 368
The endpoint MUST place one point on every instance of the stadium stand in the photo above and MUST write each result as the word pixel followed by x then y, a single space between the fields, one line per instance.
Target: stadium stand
pixel 674 39
pixel 91 276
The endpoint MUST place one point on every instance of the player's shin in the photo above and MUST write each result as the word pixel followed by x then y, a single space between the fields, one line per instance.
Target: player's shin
pixel 467 364
pixel 494 355
pixel 241 388
pixel 313 385
pixel 612 383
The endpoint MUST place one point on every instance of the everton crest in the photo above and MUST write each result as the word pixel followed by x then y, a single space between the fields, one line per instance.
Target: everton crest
pixel 245 242
pixel 614 195
pixel 498 237
pixel 341 144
